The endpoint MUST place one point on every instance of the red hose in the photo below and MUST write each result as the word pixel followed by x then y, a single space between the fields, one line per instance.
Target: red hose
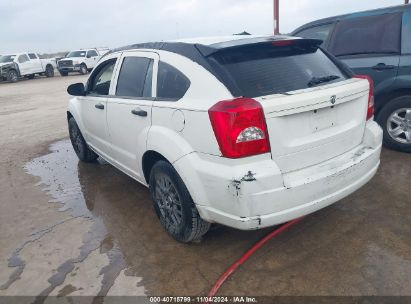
pixel 247 255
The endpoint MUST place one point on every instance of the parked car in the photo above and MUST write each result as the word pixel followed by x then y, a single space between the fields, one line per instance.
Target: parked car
pixel 81 61
pixel 375 43
pixel 14 66
pixel 245 132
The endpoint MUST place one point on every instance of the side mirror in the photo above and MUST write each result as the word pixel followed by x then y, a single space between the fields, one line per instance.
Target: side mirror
pixel 76 89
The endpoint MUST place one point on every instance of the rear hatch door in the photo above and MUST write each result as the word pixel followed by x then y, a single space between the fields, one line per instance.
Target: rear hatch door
pixel 314 109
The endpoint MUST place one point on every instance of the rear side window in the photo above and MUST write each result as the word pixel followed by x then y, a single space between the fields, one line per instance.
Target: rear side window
pixel 133 80
pixel 171 83
pixel 32 56
pixel 366 35
pixel 264 70
pixel 317 32
pixel 92 53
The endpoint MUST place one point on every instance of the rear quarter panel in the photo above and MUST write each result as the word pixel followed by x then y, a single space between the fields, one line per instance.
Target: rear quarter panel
pixel 183 126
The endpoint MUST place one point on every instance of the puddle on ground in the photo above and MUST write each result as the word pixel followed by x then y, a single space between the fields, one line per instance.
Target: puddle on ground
pixel 125 228
pixel 336 246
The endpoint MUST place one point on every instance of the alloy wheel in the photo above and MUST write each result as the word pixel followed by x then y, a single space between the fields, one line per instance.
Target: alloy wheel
pixel 399 125
pixel 168 201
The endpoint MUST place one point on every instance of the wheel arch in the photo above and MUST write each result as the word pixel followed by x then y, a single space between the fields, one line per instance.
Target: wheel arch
pixel 149 158
pixel 383 100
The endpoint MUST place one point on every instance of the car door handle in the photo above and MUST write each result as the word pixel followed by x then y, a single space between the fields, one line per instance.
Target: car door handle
pixel 99 106
pixel 382 66
pixel 139 112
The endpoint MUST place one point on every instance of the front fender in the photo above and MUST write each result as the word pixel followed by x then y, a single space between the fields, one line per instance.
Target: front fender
pixel 75 110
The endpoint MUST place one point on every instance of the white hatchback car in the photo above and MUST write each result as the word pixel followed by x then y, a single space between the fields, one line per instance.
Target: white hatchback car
pixel 245 132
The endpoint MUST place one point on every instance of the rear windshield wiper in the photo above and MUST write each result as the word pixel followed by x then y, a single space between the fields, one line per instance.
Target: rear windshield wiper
pixel 318 80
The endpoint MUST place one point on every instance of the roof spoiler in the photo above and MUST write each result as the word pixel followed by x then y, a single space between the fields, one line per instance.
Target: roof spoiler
pixel 207 50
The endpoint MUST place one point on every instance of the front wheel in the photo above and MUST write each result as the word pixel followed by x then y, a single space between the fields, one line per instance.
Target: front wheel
pixel 12 76
pixel 64 74
pixel 174 205
pixel 395 119
pixel 84 153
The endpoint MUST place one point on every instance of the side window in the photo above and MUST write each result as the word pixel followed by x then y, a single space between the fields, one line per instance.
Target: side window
pixel 406 32
pixel 23 58
pixel 317 32
pixel 92 53
pixel 99 82
pixel 134 79
pixel 379 34
pixel 171 83
pixel 32 56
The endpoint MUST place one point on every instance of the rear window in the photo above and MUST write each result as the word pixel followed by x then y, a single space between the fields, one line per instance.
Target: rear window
pixel 266 69
pixel 366 35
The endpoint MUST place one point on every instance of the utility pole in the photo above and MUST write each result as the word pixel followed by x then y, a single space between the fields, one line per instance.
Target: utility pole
pixel 277 16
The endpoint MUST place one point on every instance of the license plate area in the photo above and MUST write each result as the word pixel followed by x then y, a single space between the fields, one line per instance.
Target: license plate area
pixel 324 118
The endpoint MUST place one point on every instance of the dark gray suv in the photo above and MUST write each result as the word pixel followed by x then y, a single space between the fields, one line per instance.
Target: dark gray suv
pixel 375 43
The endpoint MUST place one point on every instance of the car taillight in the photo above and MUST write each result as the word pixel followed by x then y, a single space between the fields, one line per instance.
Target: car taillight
pixel 370 109
pixel 240 128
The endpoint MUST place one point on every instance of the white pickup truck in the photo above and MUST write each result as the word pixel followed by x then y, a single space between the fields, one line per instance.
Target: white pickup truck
pixel 15 66
pixel 81 61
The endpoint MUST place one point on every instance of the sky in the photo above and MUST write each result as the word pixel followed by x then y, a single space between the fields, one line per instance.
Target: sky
pixel 62 25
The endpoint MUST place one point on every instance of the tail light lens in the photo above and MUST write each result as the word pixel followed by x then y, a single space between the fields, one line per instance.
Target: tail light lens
pixel 240 128
pixel 370 109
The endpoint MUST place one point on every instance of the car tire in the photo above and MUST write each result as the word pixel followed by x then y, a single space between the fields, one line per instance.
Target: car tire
pixel 396 123
pixel 83 69
pixel 84 153
pixel 64 74
pixel 31 76
pixel 12 76
pixel 174 205
pixel 49 71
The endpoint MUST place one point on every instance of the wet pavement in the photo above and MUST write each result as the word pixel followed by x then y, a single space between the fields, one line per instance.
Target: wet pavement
pixel 71 228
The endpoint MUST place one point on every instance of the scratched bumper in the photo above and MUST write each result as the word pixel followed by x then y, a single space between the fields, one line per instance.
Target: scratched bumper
pixel 274 198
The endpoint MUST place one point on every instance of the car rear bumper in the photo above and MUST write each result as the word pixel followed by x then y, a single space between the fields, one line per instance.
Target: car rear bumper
pixel 255 194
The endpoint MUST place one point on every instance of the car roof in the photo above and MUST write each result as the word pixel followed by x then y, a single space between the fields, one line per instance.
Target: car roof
pixel 198 49
pixel 379 11
pixel 204 45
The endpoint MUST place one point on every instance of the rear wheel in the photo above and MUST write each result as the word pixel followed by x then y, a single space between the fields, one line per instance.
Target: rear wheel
pixel 174 205
pixel 80 146
pixel 31 76
pixel 12 76
pixel 395 119
pixel 63 73
pixel 49 71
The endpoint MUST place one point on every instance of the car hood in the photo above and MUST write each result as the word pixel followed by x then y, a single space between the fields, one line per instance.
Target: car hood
pixel 4 64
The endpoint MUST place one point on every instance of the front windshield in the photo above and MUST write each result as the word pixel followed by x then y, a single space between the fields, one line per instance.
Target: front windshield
pixel 76 54
pixel 7 58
